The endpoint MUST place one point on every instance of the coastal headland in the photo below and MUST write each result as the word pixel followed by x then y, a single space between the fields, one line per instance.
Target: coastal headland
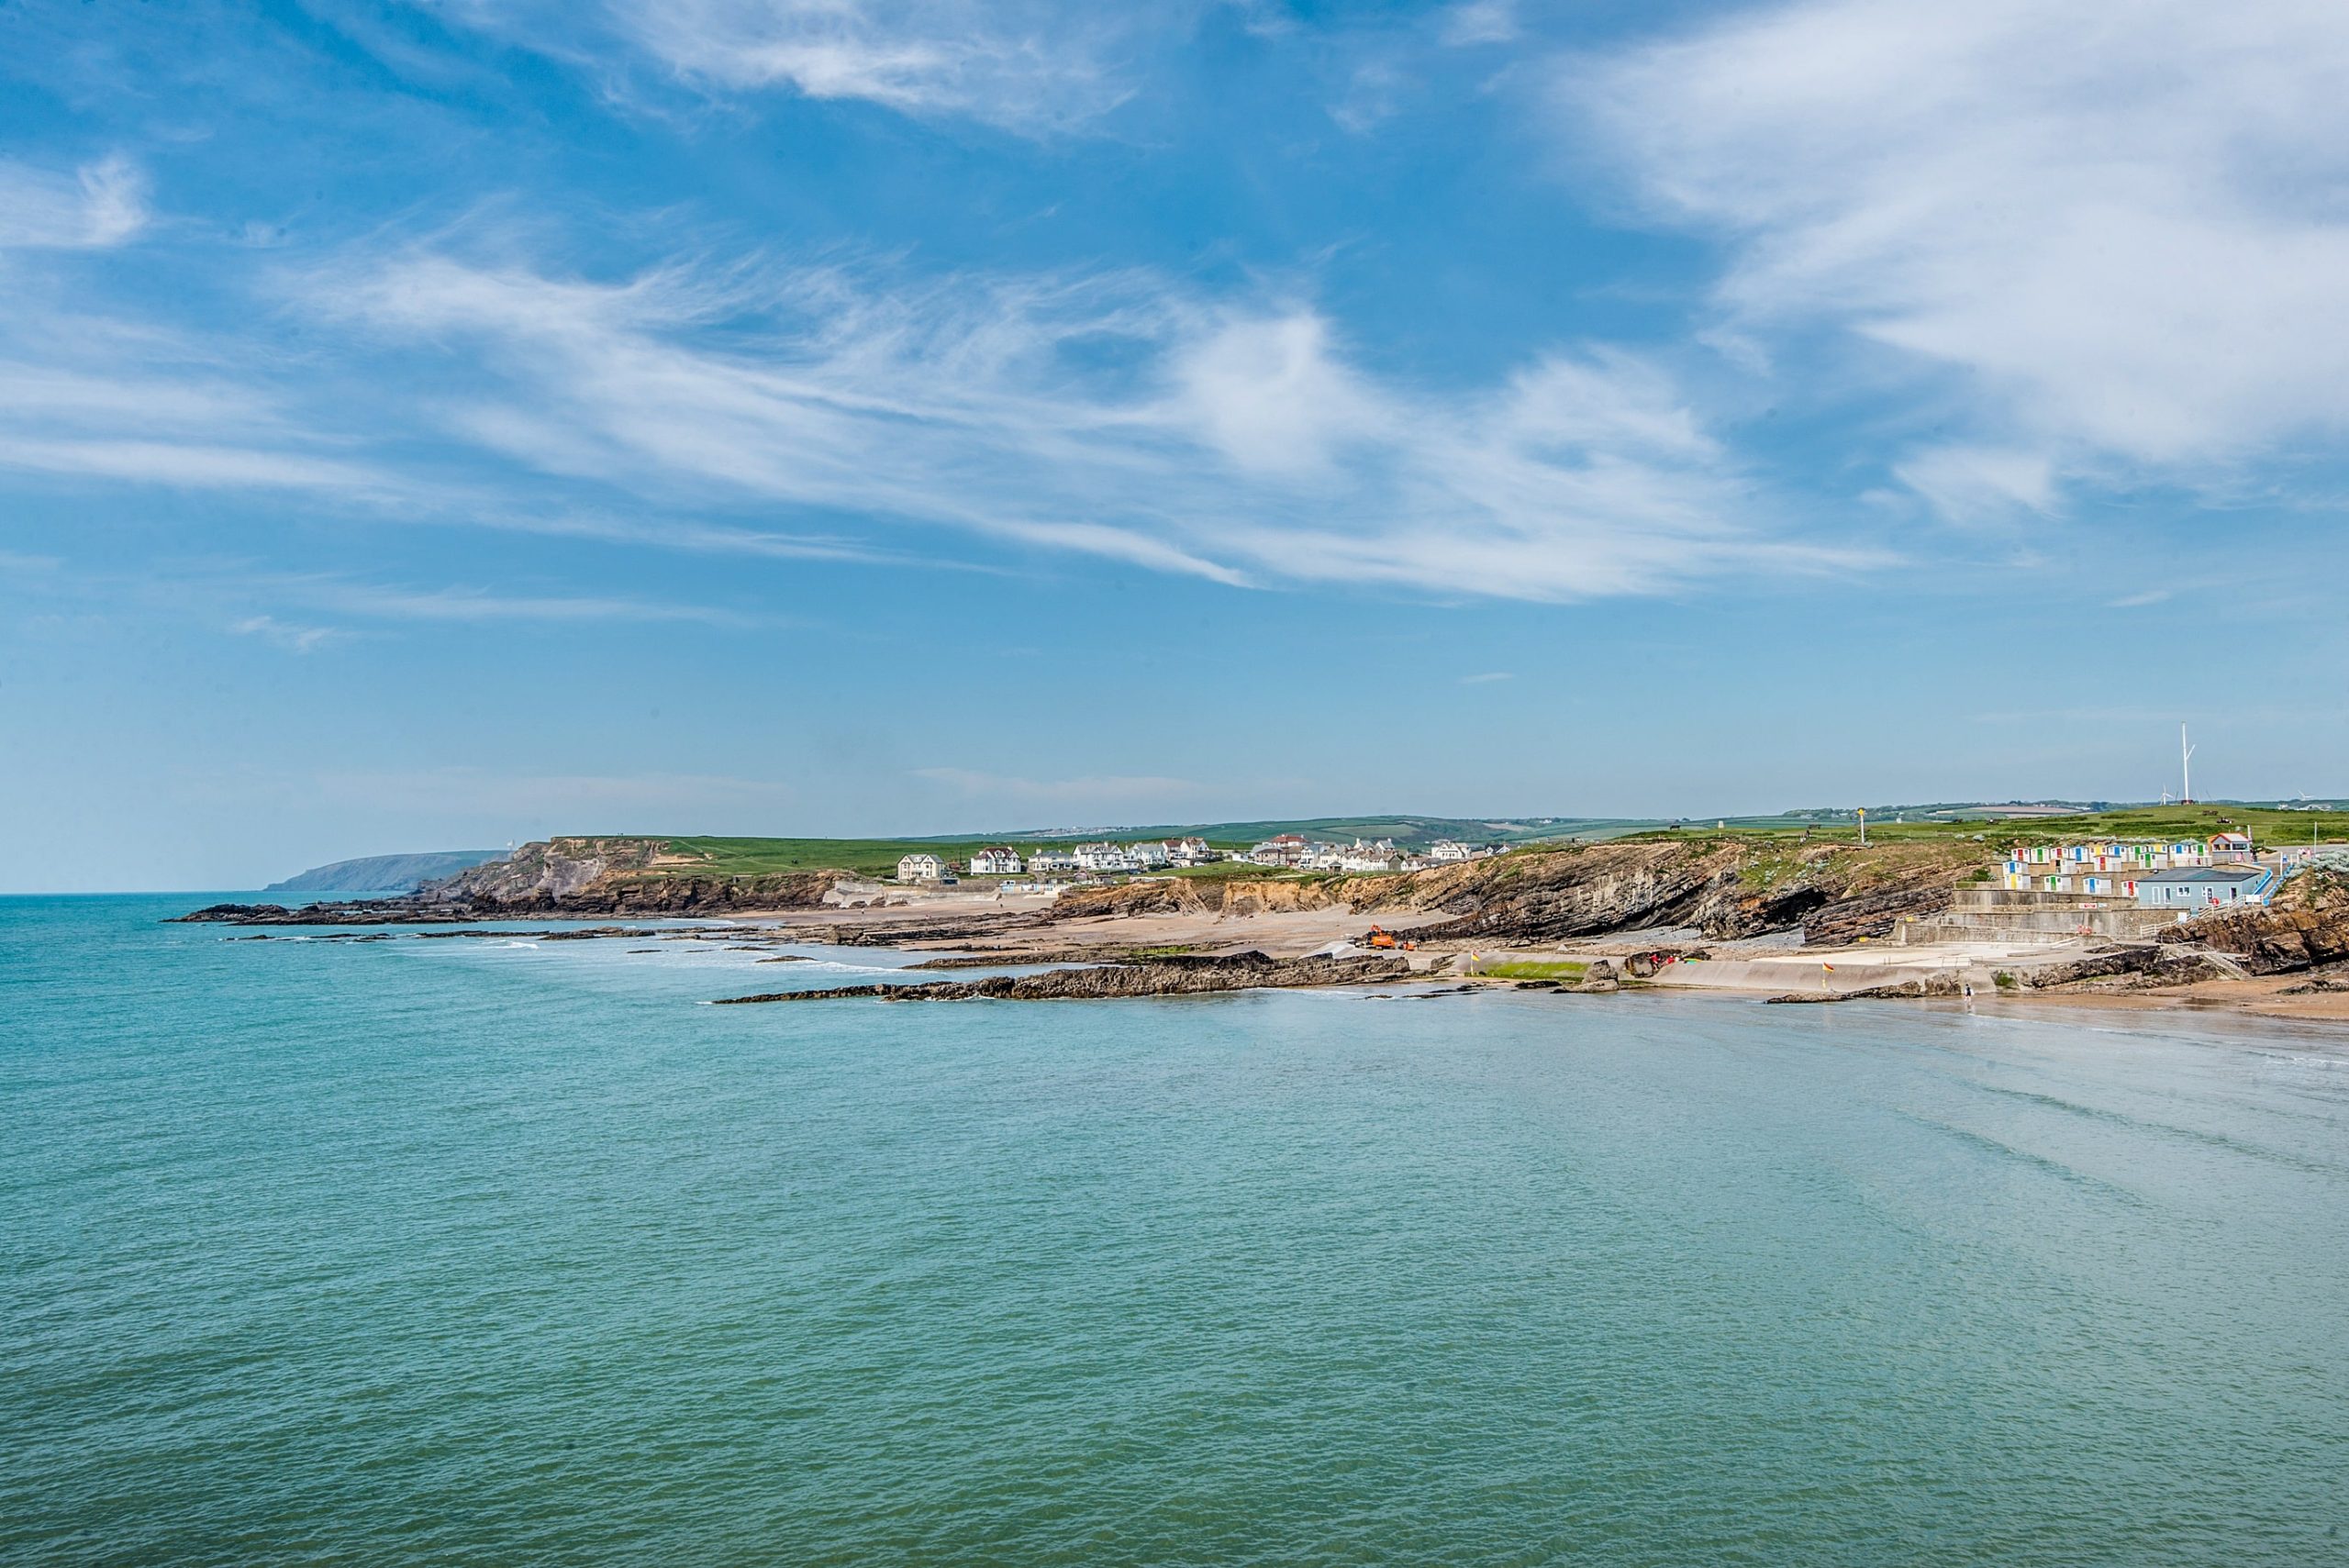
pixel 1779 915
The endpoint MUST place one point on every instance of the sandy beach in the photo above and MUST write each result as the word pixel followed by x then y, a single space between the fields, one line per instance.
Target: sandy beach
pixel 1758 968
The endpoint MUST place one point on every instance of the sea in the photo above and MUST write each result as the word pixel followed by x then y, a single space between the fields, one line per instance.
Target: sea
pixel 508 1250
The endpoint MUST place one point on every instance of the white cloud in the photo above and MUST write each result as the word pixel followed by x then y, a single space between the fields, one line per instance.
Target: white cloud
pixel 1977 485
pixel 99 205
pixel 1116 416
pixel 1373 95
pixel 478 605
pixel 1268 394
pixel 2120 227
pixel 298 638
pixel 1029 66
pixel 88 396
pixel 1487 678
pixel 183 463
pixel 1480 21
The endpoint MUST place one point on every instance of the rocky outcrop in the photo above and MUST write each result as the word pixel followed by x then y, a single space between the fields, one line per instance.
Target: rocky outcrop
pixel 1928 986
pixel 1160 977
pixel 349 912
pixel 551 868
pixel 658 894
pixel 1724 886
pixel 2146 965
pixel 559 878
pixel 583 876
pixel 1873 914
pixel 1153 896
pixel 2274 942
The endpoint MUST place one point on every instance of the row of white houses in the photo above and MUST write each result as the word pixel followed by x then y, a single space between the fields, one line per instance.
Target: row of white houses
pixel 1002 860
pixel 1291 851
pixel 1296 852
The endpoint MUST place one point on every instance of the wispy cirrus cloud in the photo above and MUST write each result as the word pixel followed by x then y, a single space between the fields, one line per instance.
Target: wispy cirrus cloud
pixel 112 396
pixel 96 206
pixel 192 464
pixel 1029 66
pixel 1473 22
pixel 1118 416
pixel 482 606
pixel 2127 263
pixel 295 638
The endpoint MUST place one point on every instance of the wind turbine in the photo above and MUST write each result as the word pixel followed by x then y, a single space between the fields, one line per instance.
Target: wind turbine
pixel 2185 766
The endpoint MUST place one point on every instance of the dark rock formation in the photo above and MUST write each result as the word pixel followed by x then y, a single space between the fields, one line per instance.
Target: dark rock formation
pixel 1726 888
pixel 2273 941
pixel 1873 914
pixel 445 903
pixel 1929 985
pixel 1159 977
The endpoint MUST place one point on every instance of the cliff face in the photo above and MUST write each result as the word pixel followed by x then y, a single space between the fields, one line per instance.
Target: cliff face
pixel 1725 887
pixel 2308 926
pixel 555 868
pixel 618 876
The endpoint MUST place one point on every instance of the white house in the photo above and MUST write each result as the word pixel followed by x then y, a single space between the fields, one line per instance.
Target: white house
pixel 1449 851
pixel 1190 851
pixel 1104 857
pixel 2229 849
pixel 1040 861
pixel 1370 859
pixel 1283 849
pixel 921 868
pixel 996 861
pixel 1150 854
pixel 2205 887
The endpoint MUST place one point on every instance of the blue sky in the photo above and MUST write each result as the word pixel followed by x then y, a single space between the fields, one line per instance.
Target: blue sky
pixel 431 425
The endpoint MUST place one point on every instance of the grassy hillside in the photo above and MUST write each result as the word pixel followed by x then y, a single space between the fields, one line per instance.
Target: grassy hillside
pixel 1412 833
pixel 878 857
pixel 758 856
pixel 2269 826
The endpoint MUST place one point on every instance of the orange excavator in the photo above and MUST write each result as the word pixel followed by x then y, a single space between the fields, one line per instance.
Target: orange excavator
pixel 1382 938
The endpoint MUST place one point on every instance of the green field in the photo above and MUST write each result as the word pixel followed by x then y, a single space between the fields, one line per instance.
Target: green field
pixel 762 857
pixel 1531 969
pixel 2269 826
pixel 1411 832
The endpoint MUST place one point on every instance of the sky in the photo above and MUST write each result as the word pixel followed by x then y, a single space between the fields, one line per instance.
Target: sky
pixel 439 424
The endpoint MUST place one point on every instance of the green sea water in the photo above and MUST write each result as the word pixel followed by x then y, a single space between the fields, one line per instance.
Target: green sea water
pixel 479 1251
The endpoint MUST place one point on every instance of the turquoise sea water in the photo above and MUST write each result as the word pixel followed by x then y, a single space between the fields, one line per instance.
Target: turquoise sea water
pixel 462 1251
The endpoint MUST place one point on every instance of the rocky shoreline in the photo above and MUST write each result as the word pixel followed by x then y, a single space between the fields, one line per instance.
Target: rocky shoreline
pixel 1157 977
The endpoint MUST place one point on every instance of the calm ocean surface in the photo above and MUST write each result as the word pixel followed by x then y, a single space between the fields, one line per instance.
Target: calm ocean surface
pixel 464 1251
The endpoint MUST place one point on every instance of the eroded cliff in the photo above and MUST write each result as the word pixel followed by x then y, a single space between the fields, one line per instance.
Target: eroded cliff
pixel 1722 886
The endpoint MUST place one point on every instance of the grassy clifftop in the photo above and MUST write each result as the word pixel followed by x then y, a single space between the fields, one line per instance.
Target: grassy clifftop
pixel 2266 825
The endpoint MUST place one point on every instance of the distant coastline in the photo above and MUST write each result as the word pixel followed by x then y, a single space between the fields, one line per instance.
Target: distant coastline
pixel 385 874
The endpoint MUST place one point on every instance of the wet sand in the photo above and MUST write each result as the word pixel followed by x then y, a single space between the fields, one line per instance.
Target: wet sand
pixel 1758 968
